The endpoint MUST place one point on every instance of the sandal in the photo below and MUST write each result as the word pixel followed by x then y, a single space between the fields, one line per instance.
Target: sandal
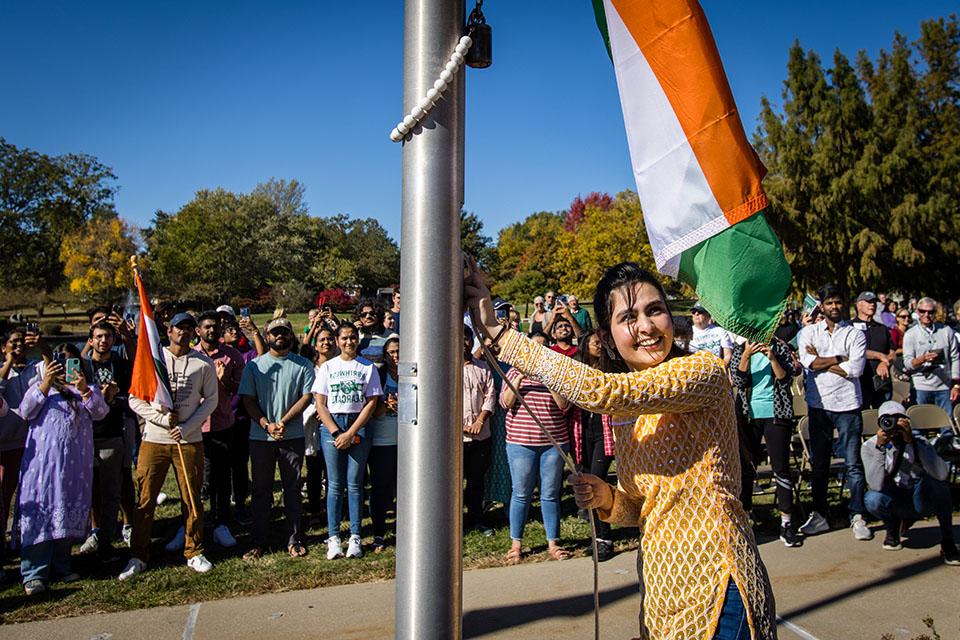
pixel 558 553
pixel 514 556
pixel 254 554
pixel 297 550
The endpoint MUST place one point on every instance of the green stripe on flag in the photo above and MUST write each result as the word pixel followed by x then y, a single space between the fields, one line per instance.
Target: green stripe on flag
pixel 600 14
pixel 742 278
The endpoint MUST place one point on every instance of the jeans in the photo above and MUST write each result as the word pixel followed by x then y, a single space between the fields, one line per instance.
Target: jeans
pixel 928 496
pixel 939 398
pixel 476 461
pixel 732 624
pixel 216 454
pixel 265 457
pixel 45 560
pixel 107 482
pixel 345 469
pixel 383 485
pixel 849 426
pixel 526 462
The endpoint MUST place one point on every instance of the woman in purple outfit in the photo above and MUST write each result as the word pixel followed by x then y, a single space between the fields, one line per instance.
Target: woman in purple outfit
pixel 56 474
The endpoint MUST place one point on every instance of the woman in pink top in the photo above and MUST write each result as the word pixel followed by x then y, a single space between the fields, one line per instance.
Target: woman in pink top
pixel 531 457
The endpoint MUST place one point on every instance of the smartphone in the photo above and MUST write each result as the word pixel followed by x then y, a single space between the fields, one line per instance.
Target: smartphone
pixel 117 309
pixel 562 300
pixel 128 317
pixel 244 312
pixel 33 327
pixel 60 358
pixel 503 313
pixel 73 368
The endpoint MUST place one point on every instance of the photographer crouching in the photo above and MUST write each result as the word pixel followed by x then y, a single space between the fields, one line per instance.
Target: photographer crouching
pixel 907 481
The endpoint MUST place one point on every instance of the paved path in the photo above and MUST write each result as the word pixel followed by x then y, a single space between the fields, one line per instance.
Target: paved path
pixel 832 588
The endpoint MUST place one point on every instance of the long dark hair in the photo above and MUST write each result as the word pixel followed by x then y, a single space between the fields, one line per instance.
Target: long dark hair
pixel 625 274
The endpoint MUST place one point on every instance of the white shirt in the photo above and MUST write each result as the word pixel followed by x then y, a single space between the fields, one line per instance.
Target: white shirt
pixel 347 384
pixel 712 338
pixel 826 390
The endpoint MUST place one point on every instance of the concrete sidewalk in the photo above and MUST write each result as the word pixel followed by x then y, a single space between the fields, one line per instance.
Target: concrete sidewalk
pixel 832 587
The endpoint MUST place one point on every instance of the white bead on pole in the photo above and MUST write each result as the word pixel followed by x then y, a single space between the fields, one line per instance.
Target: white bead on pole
pixel 422 108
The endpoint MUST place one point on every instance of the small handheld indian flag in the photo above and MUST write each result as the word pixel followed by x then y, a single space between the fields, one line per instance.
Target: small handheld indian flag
pixel 150 382
pixel 697 176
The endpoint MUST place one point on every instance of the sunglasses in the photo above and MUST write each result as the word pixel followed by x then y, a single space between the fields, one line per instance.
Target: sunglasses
pixel 279 331
pixel 903 317
pixel 368 314
pixel 926 312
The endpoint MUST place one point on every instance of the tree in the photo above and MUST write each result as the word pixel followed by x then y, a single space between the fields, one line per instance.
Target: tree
pixel 42 199
pixel 374 257
pixel 607 234
pixel 578 207
pixel 475 243
pixel 96 259
pixel 526 253
pixel 864 165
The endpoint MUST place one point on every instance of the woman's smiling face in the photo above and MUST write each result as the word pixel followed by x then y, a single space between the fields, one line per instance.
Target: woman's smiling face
pixel 640 325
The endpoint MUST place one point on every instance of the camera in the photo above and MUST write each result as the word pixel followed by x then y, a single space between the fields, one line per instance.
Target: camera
pixel 888 423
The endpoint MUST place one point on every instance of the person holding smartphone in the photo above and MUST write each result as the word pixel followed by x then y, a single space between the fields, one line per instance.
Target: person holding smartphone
pixel 931 357
pixel 57 470
pixel 346 390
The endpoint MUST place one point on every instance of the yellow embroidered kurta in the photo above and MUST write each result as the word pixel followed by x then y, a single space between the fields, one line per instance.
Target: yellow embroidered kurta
pixel 679 480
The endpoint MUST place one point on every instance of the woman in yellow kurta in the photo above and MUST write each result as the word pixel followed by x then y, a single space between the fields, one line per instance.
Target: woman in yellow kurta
pixel 678 465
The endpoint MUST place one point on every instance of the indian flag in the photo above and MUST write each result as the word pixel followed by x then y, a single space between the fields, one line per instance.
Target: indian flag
pixel 150 380
pixel 697 176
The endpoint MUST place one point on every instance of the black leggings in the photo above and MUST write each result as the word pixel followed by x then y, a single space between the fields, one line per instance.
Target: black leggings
pixel 382 463
pixel 593 460
pixel 777 434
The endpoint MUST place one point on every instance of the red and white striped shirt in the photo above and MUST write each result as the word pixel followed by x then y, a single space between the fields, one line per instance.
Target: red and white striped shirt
pixel 521 427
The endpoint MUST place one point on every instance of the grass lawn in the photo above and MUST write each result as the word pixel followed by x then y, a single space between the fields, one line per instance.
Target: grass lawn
pixel 168 581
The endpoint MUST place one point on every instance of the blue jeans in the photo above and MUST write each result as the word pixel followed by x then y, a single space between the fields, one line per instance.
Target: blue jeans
pixel 732 624
pixel 525 464
pixel 928 496
pixel 939 398
pixel 345 468
pixel 849 426
pixel 45 560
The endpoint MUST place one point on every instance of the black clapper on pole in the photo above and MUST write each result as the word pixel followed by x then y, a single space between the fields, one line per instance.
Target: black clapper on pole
pixel 480 55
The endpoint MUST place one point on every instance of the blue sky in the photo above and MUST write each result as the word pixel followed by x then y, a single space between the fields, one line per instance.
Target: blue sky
pixel 180 96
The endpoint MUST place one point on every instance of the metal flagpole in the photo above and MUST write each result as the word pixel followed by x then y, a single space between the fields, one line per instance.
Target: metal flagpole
pixel 429 500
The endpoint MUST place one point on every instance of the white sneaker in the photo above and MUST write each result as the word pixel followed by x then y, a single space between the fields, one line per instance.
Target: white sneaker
pixel 354 547
pixel 127 533
pixel 178 541
pixel 199 564
pixel 223 537
pixel 134 566
pixel 162 497
pixel 91 544
pixel 860 529
pixel 815 524
pixel 333 548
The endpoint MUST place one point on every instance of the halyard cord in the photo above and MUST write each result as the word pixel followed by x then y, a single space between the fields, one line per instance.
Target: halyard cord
pixel 568 462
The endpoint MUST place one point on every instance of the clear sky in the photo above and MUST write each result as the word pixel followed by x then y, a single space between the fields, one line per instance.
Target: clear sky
pixel 179 96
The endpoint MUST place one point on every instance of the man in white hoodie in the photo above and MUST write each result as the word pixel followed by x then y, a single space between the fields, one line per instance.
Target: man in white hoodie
pixel 193 384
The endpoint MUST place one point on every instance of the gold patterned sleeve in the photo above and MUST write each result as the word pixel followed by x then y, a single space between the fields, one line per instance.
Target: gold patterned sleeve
pixel 626 509
pixel 680 385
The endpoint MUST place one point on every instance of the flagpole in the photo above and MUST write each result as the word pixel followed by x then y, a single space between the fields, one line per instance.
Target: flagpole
pixel 430 444
pixel 135 267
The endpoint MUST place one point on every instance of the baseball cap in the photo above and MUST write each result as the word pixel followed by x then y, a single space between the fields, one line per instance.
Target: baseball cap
pixel 182 317
pixel 279 323
pixel 500 303
pixel 867 296
pixel 225 308
pixel 891 408
pixel 699 307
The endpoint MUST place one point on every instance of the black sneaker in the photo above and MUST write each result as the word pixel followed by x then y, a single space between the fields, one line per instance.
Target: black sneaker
pixel 891 542
pixel 949 553
pixel 604 550
pixel 789 536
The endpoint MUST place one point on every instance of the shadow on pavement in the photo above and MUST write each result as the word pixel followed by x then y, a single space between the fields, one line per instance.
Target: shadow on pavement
pixel 481 622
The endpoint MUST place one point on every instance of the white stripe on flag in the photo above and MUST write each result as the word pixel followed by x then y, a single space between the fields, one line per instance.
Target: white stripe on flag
pixel 680 210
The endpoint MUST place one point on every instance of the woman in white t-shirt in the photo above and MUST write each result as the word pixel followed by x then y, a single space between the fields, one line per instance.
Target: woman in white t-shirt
pixel 347 389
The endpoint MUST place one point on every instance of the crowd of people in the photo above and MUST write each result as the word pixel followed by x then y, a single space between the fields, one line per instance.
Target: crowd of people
pixel 88 461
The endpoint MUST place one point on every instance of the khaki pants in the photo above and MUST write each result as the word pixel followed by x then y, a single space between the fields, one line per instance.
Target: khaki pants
pixel 152 466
